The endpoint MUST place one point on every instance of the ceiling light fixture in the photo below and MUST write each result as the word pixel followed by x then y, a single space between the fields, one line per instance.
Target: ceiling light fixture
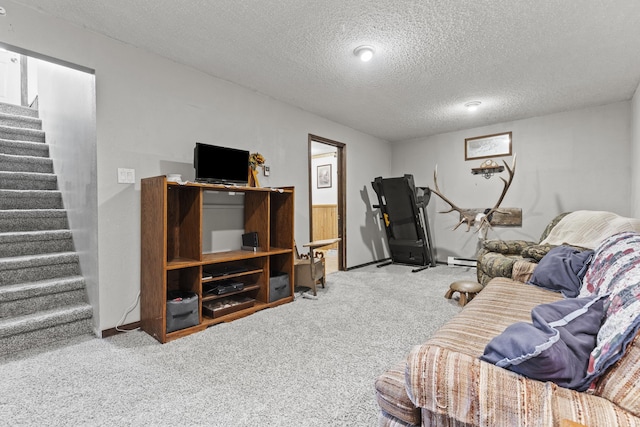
pixel 3 12
pixel 365 53
pixel 472 105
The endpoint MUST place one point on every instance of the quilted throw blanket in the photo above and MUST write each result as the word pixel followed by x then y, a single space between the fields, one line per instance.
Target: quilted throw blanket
pixel 587 229
pixel 614 272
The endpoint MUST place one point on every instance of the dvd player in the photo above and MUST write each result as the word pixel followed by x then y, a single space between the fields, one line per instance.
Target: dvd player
pixel 221 288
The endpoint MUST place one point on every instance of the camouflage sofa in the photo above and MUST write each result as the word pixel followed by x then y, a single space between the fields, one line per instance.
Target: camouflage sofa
pixel 497 257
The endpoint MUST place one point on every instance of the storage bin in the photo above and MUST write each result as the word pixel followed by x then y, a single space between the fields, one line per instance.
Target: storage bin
pixel 279 286
pixel 182 310
pixel 221 307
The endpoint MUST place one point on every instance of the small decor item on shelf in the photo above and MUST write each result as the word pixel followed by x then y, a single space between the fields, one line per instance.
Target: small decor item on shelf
pixel 255 160
pixel 487 169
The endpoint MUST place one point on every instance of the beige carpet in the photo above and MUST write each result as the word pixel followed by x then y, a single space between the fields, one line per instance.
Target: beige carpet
pixel 307 363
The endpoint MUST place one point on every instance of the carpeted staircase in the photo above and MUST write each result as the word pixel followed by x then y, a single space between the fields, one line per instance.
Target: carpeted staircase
pixel 42 293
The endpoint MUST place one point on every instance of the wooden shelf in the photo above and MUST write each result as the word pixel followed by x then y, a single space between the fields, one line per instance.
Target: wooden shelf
pixel 181 263
pixel 227 256
pixel 230 188
pixel 273 251
pixel 229 276
pixel 172 257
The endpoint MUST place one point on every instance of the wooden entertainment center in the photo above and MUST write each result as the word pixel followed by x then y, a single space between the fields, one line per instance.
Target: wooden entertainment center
pixel 172 257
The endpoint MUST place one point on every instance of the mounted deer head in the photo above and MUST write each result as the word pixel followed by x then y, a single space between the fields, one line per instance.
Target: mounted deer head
pixel 468 216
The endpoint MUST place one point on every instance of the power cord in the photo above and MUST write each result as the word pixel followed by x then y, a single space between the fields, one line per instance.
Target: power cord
pixel 124 316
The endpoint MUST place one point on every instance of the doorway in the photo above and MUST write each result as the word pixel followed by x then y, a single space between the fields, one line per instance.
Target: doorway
pixel 327 198
pixel 64 96
pixel 10 77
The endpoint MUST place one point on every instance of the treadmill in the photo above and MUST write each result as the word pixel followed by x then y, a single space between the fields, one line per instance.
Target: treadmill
pixel 403 211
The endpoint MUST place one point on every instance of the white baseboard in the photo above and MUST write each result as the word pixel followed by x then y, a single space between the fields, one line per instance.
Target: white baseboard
pixel 466 262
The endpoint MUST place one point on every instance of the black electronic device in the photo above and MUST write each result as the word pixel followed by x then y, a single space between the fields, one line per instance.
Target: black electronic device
pixel 220 165
pixel 224 270
pixel 250 241
pixel 222 287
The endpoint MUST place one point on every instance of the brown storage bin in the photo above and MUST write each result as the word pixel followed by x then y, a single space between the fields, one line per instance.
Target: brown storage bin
pixel 221 307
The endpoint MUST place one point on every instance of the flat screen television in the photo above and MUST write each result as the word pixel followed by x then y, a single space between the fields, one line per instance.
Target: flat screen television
pixel 220 165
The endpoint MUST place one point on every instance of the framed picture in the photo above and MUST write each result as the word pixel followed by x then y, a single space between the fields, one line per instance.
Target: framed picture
pixel 482 147
pixel 324 176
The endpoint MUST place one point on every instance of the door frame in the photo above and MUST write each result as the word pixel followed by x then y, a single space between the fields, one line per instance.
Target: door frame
pixel 341 162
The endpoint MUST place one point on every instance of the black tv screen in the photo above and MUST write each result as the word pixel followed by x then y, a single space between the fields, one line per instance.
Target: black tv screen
pixel 220 165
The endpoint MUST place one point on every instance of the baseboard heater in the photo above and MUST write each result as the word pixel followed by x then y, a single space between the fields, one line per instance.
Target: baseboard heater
pixel 463 262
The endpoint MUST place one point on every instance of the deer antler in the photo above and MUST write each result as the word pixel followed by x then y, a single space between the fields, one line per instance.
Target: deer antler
pixel 467 216
pixel 464 216
pixel 511 170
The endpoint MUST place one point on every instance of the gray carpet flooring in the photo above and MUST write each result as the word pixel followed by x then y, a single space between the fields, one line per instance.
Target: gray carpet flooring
pixel 307 363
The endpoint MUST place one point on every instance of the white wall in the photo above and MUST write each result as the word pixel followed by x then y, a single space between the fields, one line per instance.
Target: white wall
pixel 325 195
pixel 151 111
pixel 567 161
pixel 635 157
pixel 67 106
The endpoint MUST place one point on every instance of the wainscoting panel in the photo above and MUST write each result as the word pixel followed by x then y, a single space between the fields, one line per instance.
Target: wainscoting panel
pixel 325 223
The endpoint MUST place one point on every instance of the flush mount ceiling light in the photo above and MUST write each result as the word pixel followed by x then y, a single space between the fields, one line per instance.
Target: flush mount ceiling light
pixel 472 105
pixel 365 53
pixel 3 12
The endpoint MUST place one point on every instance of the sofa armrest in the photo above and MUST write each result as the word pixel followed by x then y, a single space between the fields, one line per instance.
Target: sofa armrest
pixel 536 252
pixel 523 270
pixel 463 388
pixel 507 247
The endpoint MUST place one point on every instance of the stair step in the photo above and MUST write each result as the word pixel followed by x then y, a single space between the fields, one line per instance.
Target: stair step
pixel 24 148
pixel 17 110
pixel 33 219
pixel 44 327
pixel 33 268
pixel 28 181
pixel 42 293
pixel 35 242
pixel 17 121
pixel 30 199
pixel 44 319
pixel 27 298
pixel 12 163
pixel 41 288
pixel 20 134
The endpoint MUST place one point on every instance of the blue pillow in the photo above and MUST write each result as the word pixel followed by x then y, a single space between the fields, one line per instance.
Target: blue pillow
pixel 555 346
pixel 562 270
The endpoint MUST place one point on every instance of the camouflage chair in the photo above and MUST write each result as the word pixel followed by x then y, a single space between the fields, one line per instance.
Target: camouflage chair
pixel 496 257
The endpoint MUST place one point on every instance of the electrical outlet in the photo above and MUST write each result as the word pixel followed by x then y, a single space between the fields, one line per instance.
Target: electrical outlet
pixel 126 176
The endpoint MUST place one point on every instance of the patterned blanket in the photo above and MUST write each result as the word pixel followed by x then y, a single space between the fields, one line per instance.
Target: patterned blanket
pixel 615 272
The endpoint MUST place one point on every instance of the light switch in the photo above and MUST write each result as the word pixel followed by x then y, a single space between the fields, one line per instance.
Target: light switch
pixel 266 170
pixel 126 176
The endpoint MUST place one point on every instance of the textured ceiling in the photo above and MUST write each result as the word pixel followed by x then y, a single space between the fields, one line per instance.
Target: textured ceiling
pixel 520 58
